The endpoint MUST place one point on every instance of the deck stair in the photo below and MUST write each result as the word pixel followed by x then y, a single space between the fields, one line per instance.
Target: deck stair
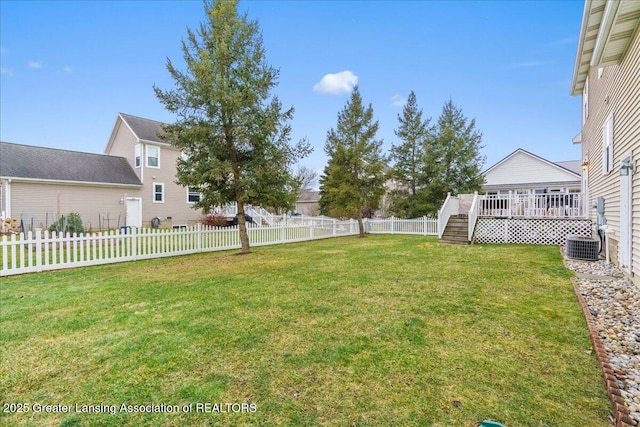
pixel 457 230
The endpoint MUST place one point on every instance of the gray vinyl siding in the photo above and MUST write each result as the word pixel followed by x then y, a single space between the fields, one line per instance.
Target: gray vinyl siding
pixel 617 91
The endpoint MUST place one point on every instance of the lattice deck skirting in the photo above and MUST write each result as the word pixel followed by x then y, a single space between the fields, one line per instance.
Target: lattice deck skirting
pixel 531 231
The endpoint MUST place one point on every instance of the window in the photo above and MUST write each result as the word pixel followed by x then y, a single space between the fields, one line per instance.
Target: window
pixel 193 195
pixel 153 156
pixel 585 101
pixel 158 192
pixel 607 145
pixel 138 156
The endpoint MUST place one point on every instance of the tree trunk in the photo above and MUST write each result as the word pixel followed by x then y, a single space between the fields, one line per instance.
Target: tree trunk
pixel 360 224
pixel 242 229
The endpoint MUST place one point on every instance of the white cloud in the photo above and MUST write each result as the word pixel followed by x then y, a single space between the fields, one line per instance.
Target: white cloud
pixel 6 72
pixel 67 69
pixel 397 101
pixel 334 84
pixel 34 64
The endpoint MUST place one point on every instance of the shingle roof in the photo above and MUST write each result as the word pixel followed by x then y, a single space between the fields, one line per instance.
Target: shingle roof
pixel 144 129
pixel 574 166
pixel 26 161
pixel 307 195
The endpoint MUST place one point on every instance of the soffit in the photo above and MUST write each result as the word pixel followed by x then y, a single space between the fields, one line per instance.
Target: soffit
pixel 607 30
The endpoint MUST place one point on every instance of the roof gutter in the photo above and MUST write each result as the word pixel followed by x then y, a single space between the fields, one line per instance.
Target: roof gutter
pixel 15 179
pixel 583 33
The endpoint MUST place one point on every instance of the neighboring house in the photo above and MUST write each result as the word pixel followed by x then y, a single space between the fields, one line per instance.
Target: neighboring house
pixel 154 163
pixel 133 183
pixel 38 185
pixel 607 75
pixel 522 172
pixel 308 203
pixel 525 185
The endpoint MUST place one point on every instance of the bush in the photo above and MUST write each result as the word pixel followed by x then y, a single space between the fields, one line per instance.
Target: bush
pixel 214 220
pixel 71 223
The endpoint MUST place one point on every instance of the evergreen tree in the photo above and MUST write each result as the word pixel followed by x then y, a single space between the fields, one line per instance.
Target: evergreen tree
pixel 408 157
pixel 352 180
pixel 234 136
pixel 453 162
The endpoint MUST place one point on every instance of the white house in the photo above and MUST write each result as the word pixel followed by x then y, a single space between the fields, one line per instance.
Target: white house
pixel 522 172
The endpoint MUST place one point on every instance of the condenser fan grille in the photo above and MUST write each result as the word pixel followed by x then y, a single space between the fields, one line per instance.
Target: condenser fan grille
pixel 584 248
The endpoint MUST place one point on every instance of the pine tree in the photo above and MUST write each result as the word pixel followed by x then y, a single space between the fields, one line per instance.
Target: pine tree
pixel 408 157
pixel 234 136
pixel 453 162
pixel 352 180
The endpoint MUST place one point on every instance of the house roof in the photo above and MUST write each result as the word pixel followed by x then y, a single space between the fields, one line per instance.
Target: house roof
pixel 572 166
pixel 607 30
pixel 51 164
pixel 308 196
pixel 144 129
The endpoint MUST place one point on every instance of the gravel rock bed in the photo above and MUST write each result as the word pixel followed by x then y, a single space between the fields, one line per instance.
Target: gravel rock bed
pixel 614 303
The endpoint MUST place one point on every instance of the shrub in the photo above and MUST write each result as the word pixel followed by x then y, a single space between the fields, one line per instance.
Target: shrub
pixel 214 220
pixel 71 223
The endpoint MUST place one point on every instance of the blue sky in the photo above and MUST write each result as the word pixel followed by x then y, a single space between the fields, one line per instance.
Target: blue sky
pixel 68 68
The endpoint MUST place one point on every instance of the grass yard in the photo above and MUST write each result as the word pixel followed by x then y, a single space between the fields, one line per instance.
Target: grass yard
pixel 387 330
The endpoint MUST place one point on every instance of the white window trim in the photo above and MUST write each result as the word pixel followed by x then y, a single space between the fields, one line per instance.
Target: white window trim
pixel 585 101
pixel 188 192
pixel 137 156
pixel 147 156
pixel 607 145
pixel 153 195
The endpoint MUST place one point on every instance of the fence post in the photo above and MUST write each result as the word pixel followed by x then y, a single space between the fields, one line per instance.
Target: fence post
pixel 283 233
pixel 38 250
pixel 134 243
pixel 199 237
pixel 311 226
pixel 334 227
pixel 393 226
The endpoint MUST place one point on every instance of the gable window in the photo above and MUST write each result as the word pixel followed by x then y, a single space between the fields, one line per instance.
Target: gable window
pixel 607 145
pixel 158 192
pixel 193 195
pixel 153 156
pixel 138 156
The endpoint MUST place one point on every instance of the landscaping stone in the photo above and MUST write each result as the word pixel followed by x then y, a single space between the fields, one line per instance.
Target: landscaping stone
pixel 614 303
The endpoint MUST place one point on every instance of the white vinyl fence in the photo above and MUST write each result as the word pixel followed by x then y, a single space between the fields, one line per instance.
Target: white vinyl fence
pixel 43 250
pixel 425 226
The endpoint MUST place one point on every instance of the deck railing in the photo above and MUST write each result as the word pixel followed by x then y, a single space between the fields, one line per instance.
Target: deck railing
pixel 551 205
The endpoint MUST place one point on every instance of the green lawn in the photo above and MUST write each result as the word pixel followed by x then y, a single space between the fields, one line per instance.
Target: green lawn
pixel 387 330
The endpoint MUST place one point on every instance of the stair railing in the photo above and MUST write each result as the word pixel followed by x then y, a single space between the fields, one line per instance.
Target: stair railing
pixel 449 207
pixel 473 215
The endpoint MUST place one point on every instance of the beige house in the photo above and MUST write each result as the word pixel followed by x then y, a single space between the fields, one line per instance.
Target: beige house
pixel 38 185
pixel 132 184
pixel 308 203
pixel 607 76
pixel 154 163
